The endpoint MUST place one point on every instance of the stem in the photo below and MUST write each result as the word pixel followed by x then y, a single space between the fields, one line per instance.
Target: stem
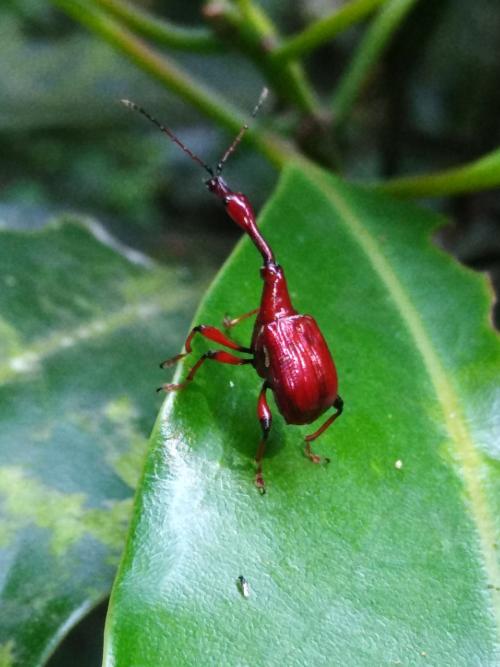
pixel 178 80
pixel 198 40
pixel 482 174
pixel 325 29
pixel 261 23
pixel 368 53
pixel 251 31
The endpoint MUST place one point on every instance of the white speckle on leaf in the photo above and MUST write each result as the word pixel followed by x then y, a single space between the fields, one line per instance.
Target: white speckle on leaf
pixel 398 464
pixel 24 363
pixel 67 341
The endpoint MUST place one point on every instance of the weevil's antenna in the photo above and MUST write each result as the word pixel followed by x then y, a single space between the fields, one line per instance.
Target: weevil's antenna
pixel 169 133
pixel 240 134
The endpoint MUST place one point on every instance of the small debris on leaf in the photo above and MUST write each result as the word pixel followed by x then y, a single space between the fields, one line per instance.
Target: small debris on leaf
pixel 243 586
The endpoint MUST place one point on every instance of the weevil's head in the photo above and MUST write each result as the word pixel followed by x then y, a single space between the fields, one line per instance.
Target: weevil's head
pixel 237 205
pixel 240 211
pixel 218 186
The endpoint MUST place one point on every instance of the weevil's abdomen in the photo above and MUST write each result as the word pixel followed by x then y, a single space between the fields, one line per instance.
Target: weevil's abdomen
pixel 292 355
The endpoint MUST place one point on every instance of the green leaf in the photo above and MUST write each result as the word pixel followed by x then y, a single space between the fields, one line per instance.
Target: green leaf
pixel 386 556
pixel 82 325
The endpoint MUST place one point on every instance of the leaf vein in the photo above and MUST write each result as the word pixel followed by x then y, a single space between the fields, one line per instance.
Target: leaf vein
pixel 34 354
pixel 467 455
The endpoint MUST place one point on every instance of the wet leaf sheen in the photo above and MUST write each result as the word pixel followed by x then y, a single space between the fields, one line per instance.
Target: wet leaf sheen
pixel 366 561
pixel 81 325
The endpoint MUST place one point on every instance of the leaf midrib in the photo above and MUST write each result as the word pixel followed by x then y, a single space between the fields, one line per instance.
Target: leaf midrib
pixel 60 340
pixel 467 455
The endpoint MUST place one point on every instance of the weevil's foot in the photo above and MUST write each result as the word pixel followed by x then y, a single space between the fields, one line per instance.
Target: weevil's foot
pixel 172 387
pixel 259 483
pixel 227 322
pixel 315 458
pixel 172 360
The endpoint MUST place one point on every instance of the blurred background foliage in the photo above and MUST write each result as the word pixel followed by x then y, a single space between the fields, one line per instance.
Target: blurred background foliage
pixel 431 101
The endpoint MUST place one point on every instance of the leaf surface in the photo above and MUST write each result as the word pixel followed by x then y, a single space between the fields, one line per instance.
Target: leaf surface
pixel 389 554
pixel 81 327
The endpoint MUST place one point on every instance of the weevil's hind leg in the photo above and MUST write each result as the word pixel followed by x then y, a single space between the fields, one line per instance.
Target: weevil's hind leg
pixel 230 322
pixel 219 355
pixel 338 404
pixel 265 418
pixel 212 333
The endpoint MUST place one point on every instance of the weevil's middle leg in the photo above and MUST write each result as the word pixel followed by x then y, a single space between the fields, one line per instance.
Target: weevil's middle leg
pixel 217 355
pixel 207 331
pixel 338 404
pixel 230 322
pixel 265 418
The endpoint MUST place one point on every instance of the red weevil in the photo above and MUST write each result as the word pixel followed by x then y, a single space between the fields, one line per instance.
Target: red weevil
pixel 287 349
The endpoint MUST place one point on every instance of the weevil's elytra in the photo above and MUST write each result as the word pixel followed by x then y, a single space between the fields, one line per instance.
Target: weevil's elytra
pixel 287 349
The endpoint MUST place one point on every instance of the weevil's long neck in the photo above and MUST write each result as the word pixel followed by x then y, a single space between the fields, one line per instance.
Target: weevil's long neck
pixel 240 210
pixel 275 301
pixel 260 242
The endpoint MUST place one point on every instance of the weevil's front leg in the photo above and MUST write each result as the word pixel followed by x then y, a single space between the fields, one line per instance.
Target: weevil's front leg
pixel 229 323
pixel 212 333
pixel 265 418
pixel 338 404
pixel 217 355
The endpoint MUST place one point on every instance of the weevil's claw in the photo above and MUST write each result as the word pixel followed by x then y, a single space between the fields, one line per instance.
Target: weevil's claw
pixel 227 321
pixel 259 483
pixel 316 459
pixel 171 387
pixel 172 360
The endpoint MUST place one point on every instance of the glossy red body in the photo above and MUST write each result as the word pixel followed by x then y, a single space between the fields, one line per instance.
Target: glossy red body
pixel 292 355
pixel 287 349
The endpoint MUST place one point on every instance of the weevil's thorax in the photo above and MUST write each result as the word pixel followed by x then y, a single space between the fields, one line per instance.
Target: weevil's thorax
pixel 275 301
